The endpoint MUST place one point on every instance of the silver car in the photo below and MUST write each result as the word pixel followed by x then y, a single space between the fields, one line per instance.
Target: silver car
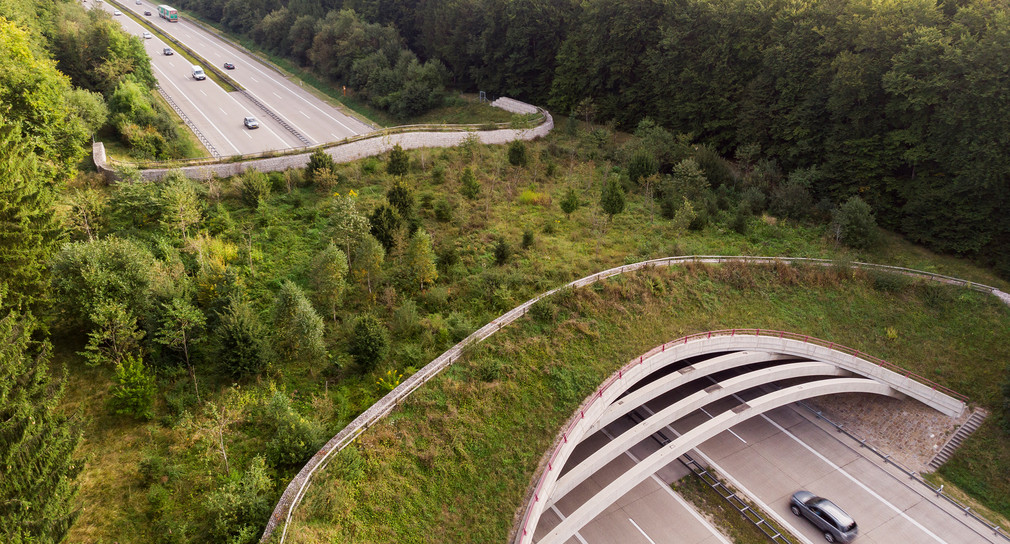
pixel 836 525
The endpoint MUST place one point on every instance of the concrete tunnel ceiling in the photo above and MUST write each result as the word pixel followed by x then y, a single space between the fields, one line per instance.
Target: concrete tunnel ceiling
pixel 779 368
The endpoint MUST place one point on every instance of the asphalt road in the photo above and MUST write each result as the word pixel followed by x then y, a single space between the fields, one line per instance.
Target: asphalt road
pixel 769 458
pixel 218 114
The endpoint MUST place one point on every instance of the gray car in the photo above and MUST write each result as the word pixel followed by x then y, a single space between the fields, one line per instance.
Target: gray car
pixel 836 525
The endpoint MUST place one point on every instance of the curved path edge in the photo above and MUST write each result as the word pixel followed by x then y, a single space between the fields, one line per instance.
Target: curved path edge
pixel 295 490
pixel 368 145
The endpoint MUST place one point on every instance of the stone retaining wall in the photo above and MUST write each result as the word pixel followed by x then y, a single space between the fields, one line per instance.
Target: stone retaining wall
pixel 376 145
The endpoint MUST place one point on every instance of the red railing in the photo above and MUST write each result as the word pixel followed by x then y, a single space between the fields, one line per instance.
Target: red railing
pixel 706 335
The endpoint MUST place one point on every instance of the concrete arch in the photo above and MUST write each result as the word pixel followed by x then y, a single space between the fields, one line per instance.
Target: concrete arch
pixel 689 440
pixel 734 350
pixel 679 409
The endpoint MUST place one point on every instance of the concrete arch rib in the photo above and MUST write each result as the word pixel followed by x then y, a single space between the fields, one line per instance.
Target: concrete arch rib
pixel 587 467
pixel 682 376
pixel 691 439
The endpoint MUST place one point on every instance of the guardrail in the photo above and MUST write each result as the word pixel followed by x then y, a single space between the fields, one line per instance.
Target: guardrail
pixel 995 528
pixel 192 126
pixel 296 488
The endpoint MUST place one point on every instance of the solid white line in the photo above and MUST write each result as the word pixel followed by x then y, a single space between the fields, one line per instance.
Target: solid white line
pixel 562 516
pixel 854 480
pixel 676 496
pixel 641 531
pixel 730 431
pixel 740 487
pixel 197 108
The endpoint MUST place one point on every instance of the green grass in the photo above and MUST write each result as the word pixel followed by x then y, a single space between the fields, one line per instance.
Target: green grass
pixel 722 514
pixel 425 470
pixel 947 336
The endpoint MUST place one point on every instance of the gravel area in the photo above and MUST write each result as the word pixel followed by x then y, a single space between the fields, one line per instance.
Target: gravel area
pixel 909 431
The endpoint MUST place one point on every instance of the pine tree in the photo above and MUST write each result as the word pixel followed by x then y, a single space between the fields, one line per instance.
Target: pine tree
pixel 299 327
pixel 37 490
pixel 399 161
pixel 612 199
pixel 242 340
pixel 29 231
pixel 570 202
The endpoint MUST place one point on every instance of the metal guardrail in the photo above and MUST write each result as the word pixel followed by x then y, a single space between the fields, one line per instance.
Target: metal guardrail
pixel 995 528
pixel 706 476
pixel 735 501
pixel 203 139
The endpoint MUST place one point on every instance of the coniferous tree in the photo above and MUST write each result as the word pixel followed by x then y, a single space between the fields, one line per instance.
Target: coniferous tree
pixel 242 340
pixel 399 161
pixel 38 490
pixel 299 327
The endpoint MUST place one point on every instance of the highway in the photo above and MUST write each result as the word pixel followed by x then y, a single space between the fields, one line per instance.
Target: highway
pixel 768 457
pixel 217 114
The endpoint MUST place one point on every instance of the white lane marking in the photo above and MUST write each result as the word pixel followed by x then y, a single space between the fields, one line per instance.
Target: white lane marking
pixel 651 541
pixel 254 65
pixel 305 114
pixel 730 431
pixel 740 487
pixel 248 135
pixel 277 95
pixel 854 480
pixel 578 536
pixel 676 496
pixel 205 94
pixel 254 79
pixel 197 108
pixel 222 110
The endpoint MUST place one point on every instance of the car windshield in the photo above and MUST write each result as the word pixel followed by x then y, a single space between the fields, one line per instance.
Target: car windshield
pixel 845 522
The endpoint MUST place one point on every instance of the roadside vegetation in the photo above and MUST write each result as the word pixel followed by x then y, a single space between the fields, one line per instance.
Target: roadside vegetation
pixel 427 468
pixel 721 514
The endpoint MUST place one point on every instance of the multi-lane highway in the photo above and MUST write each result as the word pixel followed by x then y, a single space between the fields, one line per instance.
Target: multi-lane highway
pixel 768 457
pixel 218 115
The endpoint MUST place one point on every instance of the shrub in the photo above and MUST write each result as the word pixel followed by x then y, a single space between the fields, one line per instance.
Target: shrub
pixel 293 438
pixel 443 211
pixel 299 329
pixel 319 160
pixel 242 340
pixel 468 184
pixel 239 506
pixel 642 165
pixel 517 153
pixel 528 239
pixel 399 161
pixel 502 251
pixel 570 202
pixel 369 342
pixel 134 389
pixel 255 187
pixel 854 225
pixel 384 222
pixel 530 196
pixel 438 174
pixel 753 200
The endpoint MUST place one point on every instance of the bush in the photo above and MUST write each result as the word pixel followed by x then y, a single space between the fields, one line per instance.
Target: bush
pixel 854 225
pixel 642 165
pixel 237 508
pixel 293 438
pixel 242 340
pixel 369 342
pixel 753 200
pixel 319 160
pixel 517 153
pixel 530 196
pixel 255 187
pixel 468 184
pixel 399 161
pixel 134 389
pixel 443 211
pixel 299 328
pixel 528 239
pixel 502 251
pixel 438 174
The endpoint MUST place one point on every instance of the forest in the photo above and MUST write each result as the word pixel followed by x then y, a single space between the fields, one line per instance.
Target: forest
pixel 172 353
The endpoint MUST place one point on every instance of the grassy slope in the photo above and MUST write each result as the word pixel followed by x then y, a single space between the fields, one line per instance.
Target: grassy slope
pixel 289 228
pixel 453 463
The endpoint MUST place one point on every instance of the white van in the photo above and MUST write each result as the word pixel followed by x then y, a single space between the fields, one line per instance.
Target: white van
pixel 198 73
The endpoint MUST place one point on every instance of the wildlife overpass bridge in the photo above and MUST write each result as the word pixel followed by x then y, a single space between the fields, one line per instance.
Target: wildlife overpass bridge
pixel 774 368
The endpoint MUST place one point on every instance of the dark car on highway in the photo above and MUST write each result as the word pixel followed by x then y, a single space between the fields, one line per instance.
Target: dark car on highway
pixel 168 51
pixel 147 12
pixel 229 66
pixel 836 525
